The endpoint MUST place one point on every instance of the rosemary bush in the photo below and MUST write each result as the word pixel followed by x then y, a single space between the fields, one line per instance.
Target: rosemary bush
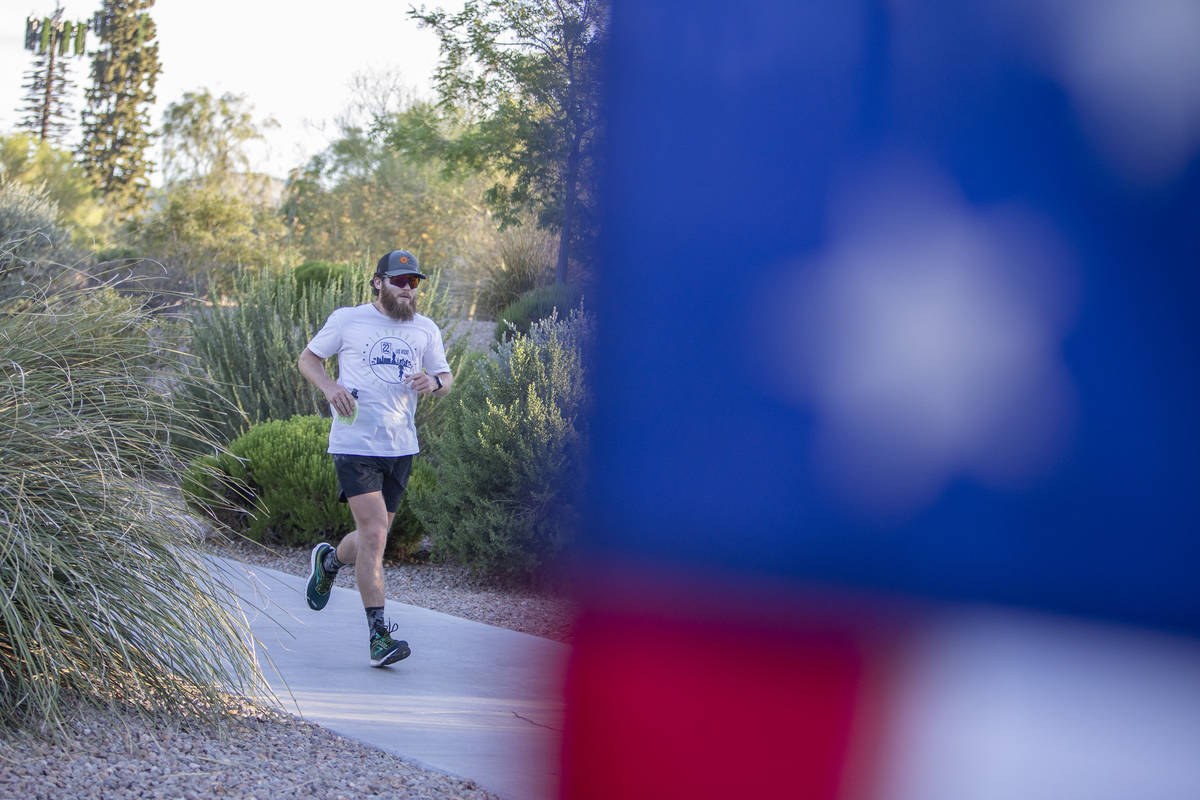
pixel 102 596
pixel 510 457
pixel 249 349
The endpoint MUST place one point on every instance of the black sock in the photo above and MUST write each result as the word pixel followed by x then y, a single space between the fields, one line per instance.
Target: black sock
pixel 330 562
pixel 375 619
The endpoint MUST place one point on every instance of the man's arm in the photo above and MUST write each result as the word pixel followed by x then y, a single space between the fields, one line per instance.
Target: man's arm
pixel 312 367
pixel 447 379
pixel 424 383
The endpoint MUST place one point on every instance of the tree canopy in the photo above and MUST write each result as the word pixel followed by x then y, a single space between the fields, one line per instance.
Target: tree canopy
pixel 204 137
pixel 51 170
pixel 527 75
pixel 360 198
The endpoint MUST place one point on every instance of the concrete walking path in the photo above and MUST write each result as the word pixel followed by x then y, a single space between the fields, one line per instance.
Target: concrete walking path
pixel 473 700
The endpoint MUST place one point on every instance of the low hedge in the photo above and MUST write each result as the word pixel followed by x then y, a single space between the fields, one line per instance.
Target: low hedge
pixel 277 485
pixel 536 305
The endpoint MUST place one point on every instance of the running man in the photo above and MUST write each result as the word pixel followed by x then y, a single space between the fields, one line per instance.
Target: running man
pixel 388 355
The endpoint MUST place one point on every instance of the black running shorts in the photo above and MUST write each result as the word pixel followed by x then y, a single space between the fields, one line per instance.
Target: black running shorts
pixel 362 474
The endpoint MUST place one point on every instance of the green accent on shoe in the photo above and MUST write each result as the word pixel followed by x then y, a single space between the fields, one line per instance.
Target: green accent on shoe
pixel 386 650
pixel 320 582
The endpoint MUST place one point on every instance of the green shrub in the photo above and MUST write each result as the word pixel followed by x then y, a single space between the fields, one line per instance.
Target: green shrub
pixel 535 305
pixel 88 482
pixel 209 234
pixel 216 486
pixel 510 458
pixel 33 242
pixel 293 481
pixel 279 486
pixel 311 272
pixel 313 277
pixel 56 175
pixel 407 530
pixel 118 253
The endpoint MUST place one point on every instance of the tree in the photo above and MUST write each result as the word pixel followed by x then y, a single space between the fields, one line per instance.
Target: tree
pixel 215 217
pixel 204 137
pixel 198 229
pixel 528 74
pixel 359 197
pixel 116 121
pixel 47 85
pixel 51 170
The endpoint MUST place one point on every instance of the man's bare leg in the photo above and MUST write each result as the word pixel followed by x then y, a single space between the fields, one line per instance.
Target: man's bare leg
pixel 363 547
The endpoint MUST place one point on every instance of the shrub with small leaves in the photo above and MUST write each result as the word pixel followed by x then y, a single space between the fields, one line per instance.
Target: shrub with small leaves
pixel 278 485
pixel 510 456
pixel 535 305
pixel 318 272
pixel 316 278
pixel 292 481
pixel 216 484
pixel 407 530
pixel 33 242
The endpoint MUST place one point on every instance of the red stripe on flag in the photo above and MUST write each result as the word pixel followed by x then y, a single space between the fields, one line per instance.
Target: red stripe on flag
pixel 666 708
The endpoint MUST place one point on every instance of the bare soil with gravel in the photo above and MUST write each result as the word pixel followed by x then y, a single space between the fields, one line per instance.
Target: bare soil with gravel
pixel 263 754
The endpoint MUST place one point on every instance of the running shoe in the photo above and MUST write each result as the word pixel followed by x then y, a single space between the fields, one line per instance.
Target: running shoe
pixel 319 581
pixel 386 650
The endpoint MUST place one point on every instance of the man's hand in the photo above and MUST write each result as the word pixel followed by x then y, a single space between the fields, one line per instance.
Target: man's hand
pixel 311 367
pixel 341 399
pixel 421 383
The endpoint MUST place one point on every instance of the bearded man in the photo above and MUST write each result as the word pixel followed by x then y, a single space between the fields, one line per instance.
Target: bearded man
pixel 388 355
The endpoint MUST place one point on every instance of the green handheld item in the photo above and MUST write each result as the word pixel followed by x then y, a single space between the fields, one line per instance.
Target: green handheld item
pixel 353 415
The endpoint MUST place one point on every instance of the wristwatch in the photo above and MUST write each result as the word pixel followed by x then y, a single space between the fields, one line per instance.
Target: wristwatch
pixel 439 384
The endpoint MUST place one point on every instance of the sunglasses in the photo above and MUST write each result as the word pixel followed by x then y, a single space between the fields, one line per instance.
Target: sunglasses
pixel 410 281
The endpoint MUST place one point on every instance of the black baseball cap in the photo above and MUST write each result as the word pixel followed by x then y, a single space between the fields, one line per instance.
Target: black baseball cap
pixel 398 262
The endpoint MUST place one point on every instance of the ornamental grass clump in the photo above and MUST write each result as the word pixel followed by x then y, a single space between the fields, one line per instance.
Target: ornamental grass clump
pixel 102 595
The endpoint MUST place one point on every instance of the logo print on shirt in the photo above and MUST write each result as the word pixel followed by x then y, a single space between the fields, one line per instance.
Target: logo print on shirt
pixel 390 359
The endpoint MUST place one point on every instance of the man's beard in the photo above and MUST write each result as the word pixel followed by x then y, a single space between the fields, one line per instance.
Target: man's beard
pixel 396 307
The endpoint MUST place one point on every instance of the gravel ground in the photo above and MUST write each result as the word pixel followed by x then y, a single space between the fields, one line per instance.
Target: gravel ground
pixel 263 753
pixel 266 755
pixel 481 333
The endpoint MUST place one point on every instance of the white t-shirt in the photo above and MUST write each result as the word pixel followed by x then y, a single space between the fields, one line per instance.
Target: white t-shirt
pixel 374 353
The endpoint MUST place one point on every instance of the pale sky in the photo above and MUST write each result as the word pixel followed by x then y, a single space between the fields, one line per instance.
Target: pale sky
pixel 292 60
